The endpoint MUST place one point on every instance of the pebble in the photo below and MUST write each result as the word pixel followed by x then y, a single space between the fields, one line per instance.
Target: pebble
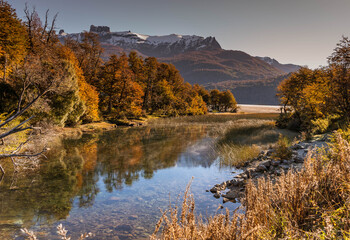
pixel 216 195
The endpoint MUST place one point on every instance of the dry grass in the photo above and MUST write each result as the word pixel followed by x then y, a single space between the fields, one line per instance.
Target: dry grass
pixel 186 225
pixel 244 139
pixel 208 119
pixel 237 155
pixel 311 204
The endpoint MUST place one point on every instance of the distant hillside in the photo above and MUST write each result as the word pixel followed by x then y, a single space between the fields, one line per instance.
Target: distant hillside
pixel 201 60
pixel 287 68
pixel 205 67
pixel 254 91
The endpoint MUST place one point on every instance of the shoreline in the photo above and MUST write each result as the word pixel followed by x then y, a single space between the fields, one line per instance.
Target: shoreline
pixel 265 166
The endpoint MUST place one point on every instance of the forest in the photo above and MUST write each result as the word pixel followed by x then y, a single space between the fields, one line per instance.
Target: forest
pixel 67 83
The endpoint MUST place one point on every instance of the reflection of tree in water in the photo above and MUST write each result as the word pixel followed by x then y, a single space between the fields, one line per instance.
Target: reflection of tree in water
pixel 73 169
pixel 127 154
pixel 47 194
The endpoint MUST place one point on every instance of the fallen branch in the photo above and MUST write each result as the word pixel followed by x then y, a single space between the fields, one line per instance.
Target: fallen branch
pixel 17 128
pixel 23 155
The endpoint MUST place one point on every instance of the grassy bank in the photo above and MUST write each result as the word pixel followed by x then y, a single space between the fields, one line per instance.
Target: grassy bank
pixel 311 204
pixel 209 119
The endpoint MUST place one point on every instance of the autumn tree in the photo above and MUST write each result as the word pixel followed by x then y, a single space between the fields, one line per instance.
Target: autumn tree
pixel 87 93
pixel 228 101
pixel 13 39
pixel 151 69
pixel 13 48
pixel 215 99
pixel 339 70
pixel 88 52
pixel 136 65
pixel 119 92
pixel 203 93
pixel 313 99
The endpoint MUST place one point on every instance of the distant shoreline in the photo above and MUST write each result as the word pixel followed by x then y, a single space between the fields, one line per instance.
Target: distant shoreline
pixel 248 108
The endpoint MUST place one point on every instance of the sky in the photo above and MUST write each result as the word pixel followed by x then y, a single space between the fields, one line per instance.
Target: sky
pixel 303 32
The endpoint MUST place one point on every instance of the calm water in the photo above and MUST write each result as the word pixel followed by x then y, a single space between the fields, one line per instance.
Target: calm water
pixel 113 184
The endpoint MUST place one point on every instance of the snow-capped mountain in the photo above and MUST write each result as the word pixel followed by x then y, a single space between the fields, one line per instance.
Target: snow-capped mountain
pixel 158 46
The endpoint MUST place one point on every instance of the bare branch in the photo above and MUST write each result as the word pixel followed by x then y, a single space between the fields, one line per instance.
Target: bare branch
pixel 45 25
pixel 17 128
pixel 25 86
pixel 29 16
pixel 52 28
pixel 23 155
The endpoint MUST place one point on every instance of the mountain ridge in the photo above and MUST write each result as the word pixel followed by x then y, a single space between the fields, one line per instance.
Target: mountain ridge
pixel 199 59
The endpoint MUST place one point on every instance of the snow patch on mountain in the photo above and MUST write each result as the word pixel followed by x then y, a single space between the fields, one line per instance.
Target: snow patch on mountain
pixel 167 44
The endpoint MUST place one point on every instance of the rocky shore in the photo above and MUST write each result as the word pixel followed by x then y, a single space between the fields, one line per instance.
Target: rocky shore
pixel 265 166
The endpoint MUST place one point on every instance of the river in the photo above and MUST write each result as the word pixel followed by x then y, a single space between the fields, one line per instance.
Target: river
pixel 116 183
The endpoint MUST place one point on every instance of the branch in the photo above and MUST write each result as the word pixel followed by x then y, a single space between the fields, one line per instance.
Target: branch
pixel 25 86
pixel 45 25
pixel 17 128
pixel 23 155
pixel 20 112
pixel 21 145
pixel 52 28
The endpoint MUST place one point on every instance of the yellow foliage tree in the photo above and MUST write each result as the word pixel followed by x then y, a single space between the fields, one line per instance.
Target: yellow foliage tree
pixel 13 39
pixel 87 93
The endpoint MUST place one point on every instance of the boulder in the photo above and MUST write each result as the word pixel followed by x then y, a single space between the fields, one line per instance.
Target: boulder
pixel 231 195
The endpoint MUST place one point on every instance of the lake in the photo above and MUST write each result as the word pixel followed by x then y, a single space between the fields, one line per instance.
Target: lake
pixel 116 183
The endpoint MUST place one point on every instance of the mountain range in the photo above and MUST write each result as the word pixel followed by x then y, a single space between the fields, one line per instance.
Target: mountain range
pixel 201 60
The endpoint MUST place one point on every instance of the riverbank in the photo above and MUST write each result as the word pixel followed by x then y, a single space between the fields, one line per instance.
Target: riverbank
pixel 268 165
pixel 312 202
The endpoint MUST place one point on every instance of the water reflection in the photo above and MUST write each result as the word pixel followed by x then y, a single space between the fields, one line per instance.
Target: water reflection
pixel 79 170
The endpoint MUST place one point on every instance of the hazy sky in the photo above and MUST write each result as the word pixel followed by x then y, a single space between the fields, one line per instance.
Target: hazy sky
pixel 293 31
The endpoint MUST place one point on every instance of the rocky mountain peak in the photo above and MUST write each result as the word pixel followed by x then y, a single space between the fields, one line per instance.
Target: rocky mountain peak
pixel 157 46
pixel 99 29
